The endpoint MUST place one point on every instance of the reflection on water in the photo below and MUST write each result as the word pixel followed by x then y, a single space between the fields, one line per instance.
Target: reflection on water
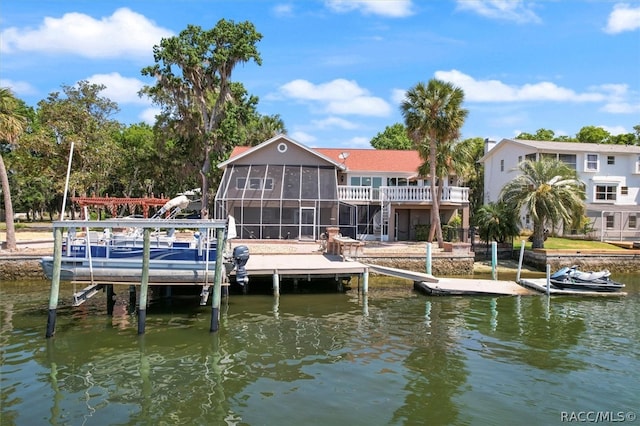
pixel 392 357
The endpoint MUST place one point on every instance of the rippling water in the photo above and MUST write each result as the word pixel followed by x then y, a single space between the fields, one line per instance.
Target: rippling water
pixel 394 357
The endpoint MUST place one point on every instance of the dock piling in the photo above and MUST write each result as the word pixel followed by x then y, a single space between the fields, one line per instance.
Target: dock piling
pixel 276 283
pixel 428 260
pixel 55 282
pixel 217 284
pixel 520 261
pixel 548 279
pixel 144 285
pixel 494 260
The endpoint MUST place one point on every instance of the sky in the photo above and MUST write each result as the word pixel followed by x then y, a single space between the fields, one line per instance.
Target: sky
pixel 336 71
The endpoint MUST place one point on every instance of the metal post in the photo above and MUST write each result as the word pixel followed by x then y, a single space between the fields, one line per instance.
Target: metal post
pixel 144 285
pixel 365 281
pixel 55 282
pixel 217 282
pixel 520 261
pixel 494 260
pixel 428 258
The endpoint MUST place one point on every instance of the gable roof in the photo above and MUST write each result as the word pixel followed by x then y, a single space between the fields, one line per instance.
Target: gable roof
pixel 243 151
pixel 357 160
pixel 573 147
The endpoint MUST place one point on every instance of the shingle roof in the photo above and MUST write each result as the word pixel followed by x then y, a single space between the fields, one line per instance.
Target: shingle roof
pixel 365 160
pixel 375 160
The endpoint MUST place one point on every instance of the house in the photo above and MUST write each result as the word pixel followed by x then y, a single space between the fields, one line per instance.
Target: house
pixel 611 174
pixel 282 189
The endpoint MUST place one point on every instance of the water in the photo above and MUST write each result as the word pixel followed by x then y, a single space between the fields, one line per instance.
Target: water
pixel 393 358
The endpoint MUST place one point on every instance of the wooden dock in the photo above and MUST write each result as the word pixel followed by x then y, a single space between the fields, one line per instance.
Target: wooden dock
pixel 302 266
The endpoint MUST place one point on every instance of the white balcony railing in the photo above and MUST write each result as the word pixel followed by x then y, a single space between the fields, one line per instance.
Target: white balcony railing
pixel 400 193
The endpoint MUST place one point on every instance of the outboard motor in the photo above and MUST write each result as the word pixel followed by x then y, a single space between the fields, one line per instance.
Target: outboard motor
pixel 240 259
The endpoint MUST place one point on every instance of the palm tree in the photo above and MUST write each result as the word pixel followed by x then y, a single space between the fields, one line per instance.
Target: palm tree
pixel 497 222
pixel 549 190
pixel 434 116
pixel 12 124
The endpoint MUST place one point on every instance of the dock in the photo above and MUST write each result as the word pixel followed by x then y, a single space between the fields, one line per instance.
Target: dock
pixel 302 266
pixel 472 287
pixel 433 286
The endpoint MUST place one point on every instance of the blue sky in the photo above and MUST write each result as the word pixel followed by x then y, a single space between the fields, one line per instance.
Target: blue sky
pixel 336 70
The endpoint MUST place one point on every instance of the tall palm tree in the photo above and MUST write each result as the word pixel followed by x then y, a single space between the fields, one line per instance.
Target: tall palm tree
pixel 549 190
pixel 12 124
pixel 434 115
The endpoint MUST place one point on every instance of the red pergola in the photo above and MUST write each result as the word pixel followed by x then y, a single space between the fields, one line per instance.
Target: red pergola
pixel 112 203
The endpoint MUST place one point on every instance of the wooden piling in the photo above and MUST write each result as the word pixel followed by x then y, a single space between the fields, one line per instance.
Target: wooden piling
pixel 111 300
pixel 144 285
pixel 55 282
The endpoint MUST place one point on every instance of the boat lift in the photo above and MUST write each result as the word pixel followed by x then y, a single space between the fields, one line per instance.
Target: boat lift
pixel 207 225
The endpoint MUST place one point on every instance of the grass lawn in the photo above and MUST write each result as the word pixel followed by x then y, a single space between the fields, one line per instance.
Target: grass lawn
pixel 555 243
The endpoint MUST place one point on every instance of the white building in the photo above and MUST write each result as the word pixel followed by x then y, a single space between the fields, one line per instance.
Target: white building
pixel 611 174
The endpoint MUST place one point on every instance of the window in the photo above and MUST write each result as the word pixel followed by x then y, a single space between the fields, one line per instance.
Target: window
pixel 591 163
pixel 530 157
pixel 569 160
pixel 519 159
pixel 611 160
pixel 605 193
pixel 633 221
pixel 502 165
pixel 638 165
pixel 254 183
pixel 355 180
pixel 624 190
pixel 610 222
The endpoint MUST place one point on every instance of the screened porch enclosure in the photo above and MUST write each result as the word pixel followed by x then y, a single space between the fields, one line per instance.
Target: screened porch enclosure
pixel 279 201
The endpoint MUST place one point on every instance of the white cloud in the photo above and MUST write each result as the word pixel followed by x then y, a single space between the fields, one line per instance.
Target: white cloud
pixel 497 91
pixel 303 137
pixel 19 88
pixel 615 130
pixel 623 18
pixel 509 10
pixel 123 90
pixel 359 142
pixel 392 9
pixel 123 34
pixel 398 96
pixel 334 122
pixel 283 10
pixel 149 115
pixel 339 96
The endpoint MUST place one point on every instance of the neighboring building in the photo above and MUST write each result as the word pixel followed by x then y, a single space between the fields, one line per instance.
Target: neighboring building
pixel 611 174
pixel 282 189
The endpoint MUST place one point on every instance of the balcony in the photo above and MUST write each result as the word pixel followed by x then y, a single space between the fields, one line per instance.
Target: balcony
pixel 416 194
